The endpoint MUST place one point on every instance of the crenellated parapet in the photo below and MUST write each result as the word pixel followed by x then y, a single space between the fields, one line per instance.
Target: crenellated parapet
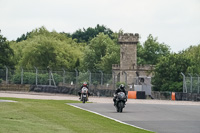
pixel 128 38
pixel 115 66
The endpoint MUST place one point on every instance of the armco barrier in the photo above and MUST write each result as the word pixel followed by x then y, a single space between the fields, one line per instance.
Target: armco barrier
pixel 136 95
pixel 180 96
pixel 141 95
pixel 132 94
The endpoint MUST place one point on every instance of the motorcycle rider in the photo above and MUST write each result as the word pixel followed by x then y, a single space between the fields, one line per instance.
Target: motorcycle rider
pixel 83 85
pixel 121 88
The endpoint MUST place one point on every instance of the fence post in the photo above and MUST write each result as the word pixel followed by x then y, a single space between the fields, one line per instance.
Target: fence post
pixel 6 74
pixel 22 75
pixel 36 75
pixel 63 76
pixel 50 77
pixel 113 75
pixel 198 83
pixel 101 77
pixel 76 77
pixel 190 82
pixel 89 77
pixel 184 84
pixel 51 74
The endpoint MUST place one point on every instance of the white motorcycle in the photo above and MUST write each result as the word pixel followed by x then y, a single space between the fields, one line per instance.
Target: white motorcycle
pixel 84 94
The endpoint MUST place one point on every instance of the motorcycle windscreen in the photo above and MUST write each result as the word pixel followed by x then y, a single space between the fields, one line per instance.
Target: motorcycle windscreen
pixel 121 95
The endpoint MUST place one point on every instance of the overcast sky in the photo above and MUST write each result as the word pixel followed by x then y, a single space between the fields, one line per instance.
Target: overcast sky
pixel 175 22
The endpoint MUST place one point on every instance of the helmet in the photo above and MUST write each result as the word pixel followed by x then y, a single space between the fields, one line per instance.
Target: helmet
pixel 122 86
pixel 85 84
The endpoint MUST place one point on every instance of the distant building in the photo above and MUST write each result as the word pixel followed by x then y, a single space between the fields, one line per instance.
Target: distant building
pixel 128 71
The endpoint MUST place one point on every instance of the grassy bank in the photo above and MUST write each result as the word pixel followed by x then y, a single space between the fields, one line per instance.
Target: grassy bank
pixel 50 116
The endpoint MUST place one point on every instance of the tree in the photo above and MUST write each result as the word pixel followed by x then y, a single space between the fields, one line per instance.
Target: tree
pixel 86 35
pixel 6 53
pixel 151 51
pixel 167 73
pixel 193 52
pixel 47 49
pixel 100 54
pixel 23 37
pixel 140 54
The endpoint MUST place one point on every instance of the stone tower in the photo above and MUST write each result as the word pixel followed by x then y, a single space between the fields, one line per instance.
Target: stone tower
pixel 128 51
pixel 128 70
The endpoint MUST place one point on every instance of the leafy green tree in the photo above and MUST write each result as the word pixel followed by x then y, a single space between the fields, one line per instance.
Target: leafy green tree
pixel 6 53
pixel 47 49
pixel 100 54
pixel 151 51
pixel 193 52
pixel 167 73
pixel 86 35
pixel 23 37
pixel 89 60
pixel 112 56
pixel 140 53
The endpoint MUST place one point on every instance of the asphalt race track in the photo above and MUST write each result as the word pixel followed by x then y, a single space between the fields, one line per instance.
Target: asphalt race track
pixel 155 117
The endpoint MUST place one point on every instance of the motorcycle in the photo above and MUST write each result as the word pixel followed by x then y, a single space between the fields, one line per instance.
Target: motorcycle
pixel 120 101
pixel 84 94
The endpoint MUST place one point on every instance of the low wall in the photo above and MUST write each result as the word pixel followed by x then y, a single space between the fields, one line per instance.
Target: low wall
pixel 100 87
pixel 186 96
pixel 69 90
pixel 14 87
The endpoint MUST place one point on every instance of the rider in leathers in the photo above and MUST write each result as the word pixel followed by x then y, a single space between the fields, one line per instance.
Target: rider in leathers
pixel 84 85
pixel 120 89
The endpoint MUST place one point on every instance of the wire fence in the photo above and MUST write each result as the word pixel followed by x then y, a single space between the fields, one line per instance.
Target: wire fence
pixel 99 80
pixel 56 78
pixel 191 84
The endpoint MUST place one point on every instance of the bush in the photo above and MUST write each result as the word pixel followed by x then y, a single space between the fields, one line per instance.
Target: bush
pixel 95 83
pixel 30 78
pixel 1 81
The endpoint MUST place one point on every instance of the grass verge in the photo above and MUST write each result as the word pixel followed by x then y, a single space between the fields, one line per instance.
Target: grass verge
pixel 50 116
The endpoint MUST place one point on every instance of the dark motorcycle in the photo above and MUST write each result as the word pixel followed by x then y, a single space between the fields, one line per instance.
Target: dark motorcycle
pixel 84 94
pixel 120 101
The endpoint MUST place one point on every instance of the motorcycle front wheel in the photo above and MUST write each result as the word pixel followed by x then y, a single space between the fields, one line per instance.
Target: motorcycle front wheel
pixel 120 106
pixel 84 100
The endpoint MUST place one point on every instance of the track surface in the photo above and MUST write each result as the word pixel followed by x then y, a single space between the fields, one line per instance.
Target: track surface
pixel 154 117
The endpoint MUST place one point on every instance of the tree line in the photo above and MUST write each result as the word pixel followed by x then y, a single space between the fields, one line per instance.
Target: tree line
pixel 96 49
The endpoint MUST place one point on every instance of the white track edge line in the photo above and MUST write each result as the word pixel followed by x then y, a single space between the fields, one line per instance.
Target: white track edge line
pixel 108 117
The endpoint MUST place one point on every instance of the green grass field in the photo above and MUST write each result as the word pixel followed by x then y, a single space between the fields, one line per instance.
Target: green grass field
pixel 54 116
